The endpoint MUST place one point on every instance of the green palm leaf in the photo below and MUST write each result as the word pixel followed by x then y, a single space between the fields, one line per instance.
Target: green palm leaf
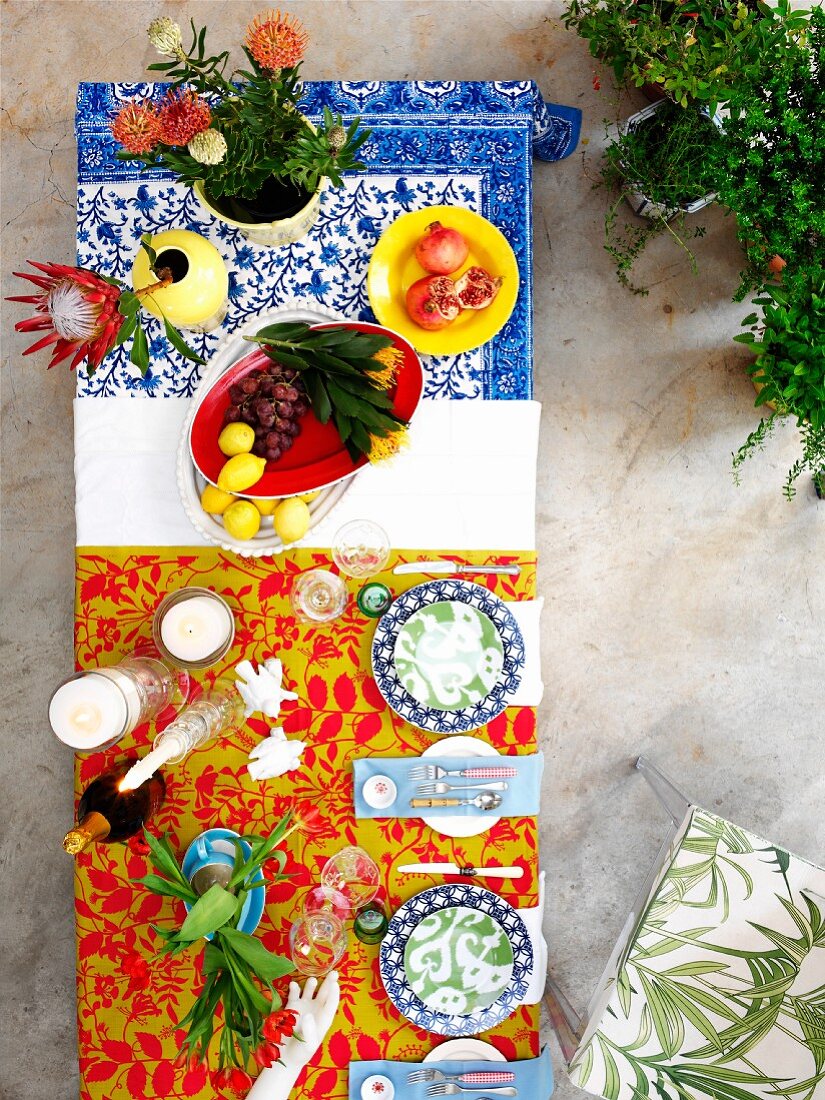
pixel 812 1022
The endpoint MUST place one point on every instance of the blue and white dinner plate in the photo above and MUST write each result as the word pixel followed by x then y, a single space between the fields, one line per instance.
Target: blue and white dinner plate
pixel 389 682
pixel 394 946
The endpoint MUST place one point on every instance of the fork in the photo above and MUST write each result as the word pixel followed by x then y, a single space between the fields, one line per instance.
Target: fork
pixel 433 771
pixel 450 1088
pixel 445 788
pixel 478 1077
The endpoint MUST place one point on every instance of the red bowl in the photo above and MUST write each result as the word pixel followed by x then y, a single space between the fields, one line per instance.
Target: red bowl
pixel 318 457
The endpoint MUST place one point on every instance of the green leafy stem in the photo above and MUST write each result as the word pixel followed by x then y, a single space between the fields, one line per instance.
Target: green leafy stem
pixel 129 307
pixel 238 970
pixel 340 376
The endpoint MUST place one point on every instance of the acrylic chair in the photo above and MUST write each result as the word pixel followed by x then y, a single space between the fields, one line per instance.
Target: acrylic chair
pixel 716 987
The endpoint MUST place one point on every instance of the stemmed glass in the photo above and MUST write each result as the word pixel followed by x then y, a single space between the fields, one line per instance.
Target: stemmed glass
pixel 353 874
pixel 361 548
pixel 316 943
pixel 318 596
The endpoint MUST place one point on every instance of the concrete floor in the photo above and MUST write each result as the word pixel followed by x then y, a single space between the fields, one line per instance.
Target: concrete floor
pixel 684 615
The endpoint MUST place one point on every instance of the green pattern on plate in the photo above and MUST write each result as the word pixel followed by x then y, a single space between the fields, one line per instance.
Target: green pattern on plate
pixel 449 655
pixel 458 960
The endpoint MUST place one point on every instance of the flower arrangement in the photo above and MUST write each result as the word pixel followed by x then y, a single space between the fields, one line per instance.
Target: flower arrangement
pixel 84 315
pixel 665 159
pixel 238 970
pixel 789 371
pixel 346 375
pixel 771 165
pixel 241 132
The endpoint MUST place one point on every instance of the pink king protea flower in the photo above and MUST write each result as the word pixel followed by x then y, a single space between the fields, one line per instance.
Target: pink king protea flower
pixel 78 311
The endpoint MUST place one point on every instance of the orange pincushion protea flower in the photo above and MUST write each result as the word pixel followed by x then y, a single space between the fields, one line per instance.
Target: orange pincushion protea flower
pixel 276 41
pixel 390 359
pixel 79 310
pixel 137 127
pixel 387 446
pixel 182 117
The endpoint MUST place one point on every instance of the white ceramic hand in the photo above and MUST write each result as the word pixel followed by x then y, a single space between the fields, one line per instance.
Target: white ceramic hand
pixel 316 1011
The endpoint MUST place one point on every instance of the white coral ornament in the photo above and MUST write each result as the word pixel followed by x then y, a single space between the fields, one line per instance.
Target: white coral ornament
pixel 261 689
pixel 275 755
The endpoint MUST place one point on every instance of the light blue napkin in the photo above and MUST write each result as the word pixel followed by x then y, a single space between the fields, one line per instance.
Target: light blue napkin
pixel 534 1076
pixel 521 799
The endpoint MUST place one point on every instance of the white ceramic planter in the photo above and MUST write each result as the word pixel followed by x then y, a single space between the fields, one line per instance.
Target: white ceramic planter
pixel 639 203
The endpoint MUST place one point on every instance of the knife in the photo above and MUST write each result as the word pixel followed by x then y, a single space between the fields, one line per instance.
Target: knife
pixel 454 869
pixel 455 567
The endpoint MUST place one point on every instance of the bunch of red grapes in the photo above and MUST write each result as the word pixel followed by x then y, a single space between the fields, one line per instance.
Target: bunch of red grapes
pixel 272 401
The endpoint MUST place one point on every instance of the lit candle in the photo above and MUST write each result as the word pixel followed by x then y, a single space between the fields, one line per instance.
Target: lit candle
pixel 195 627
pixel 94 709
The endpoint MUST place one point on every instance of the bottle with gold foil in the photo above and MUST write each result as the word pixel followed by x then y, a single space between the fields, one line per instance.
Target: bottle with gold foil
pixel 105 813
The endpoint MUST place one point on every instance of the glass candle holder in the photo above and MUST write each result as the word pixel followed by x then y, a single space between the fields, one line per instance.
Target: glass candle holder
pixel 92 710
pixel 193 628
pixel 361 548
pixel 353 874
pixel 318 596
pixel 316 943
pixel 217 711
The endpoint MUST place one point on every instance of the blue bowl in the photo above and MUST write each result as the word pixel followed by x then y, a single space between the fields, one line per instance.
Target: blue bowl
pixel 201 852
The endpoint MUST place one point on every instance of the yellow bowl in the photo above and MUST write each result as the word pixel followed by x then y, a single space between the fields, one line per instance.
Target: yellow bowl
pixel 393 269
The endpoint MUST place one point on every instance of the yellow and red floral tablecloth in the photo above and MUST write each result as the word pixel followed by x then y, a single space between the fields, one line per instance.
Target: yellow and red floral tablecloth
pixel 128 997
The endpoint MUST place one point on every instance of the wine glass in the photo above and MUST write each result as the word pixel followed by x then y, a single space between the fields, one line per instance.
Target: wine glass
pixel 361 548
pixel 318 596
pixel 316 943
pixel 322 899
pixel 354 874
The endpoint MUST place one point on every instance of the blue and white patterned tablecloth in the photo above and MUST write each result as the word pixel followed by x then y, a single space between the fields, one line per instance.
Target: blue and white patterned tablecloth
pixel 464 144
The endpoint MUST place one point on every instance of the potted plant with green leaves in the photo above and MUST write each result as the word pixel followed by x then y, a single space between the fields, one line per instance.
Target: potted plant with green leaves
pixel 237 138
pixel 788 337
pixel 658 162
pixel 771 166
pixel 692 53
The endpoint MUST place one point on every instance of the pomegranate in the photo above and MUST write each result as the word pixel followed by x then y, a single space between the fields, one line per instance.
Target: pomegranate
pixel 476 288
pixel 441 250
pixel 432 302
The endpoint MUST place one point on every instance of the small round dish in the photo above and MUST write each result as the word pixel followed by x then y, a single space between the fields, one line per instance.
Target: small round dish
pixel 393 269
pixel 464 1050
pixel 379 792
pixel 377 1087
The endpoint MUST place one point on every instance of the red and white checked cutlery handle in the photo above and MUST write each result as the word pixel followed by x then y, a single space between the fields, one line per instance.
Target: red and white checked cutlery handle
pixel 489 773
pixel 491 1077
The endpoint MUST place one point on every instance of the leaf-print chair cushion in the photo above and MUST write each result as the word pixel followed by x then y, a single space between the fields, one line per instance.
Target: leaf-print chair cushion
pixel 718 990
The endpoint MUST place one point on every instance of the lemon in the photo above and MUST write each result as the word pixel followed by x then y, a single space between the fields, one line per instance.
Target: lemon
pixel 242 519
pixel 308 498
pixel 291 519
pixel 239 472
pixel 265 507
pixel 236 439
pixel 215 501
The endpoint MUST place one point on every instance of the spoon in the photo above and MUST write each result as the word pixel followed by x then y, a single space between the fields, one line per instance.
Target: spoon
pixel 487 800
